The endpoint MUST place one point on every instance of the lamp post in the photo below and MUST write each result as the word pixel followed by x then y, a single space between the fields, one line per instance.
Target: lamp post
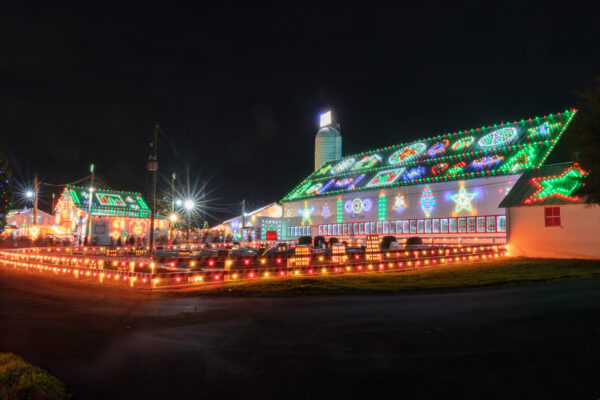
pixel 189 206
pixel 153 167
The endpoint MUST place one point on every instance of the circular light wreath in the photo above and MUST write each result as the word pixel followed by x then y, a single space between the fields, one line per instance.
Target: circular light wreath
pixel 408 153
pixel 499 137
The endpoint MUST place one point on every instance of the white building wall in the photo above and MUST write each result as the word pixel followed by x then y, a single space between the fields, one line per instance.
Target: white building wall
pixel 578 236
pixel 489 193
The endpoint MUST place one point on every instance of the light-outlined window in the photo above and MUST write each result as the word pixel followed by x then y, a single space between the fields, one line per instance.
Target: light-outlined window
pixel 552 216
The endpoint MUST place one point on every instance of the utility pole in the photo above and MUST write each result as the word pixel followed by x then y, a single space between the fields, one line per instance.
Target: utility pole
pixel 88 230
pixel 243 219
pixel 52 203
pixel 172 222
pixel 153 167
pixel 36 190
pixel 189 212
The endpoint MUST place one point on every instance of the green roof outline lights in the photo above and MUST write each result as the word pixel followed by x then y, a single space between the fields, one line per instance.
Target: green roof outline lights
pixel 108 202
pixel 469 150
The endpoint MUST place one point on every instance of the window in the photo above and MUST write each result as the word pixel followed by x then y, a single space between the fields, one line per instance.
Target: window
pixel 471 224
pixel 386 227
pixel 367 228
pixel 335 229
pixel 320 230
pixel 427 226
pixel 391 227
pixel 413 226
pixel 345 229
pixel 552 216
pixel 329 230
pixel 100 229
pixel 398 226
pixel 355 228
pixel 373 227
pixel 480 224
pixel 405 227
pixel 501 223
pixel 379 228
pixel 452 225
pixel 491 224
pixel 436 226
pixel 444 225
pixel 361 228
pixel 462 225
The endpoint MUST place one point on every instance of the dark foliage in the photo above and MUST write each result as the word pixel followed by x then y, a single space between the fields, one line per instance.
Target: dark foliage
pixel 584 141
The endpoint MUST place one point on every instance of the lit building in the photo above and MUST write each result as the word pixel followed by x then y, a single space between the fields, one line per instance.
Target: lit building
pixel 117 216
pixel 547 218
pixel 19 223
pixel 255 225
pixel 446 188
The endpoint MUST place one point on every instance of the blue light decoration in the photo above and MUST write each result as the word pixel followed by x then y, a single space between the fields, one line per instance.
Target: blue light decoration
pixel 414 173
pixel 358 205
pixel 342 166
pixel 463 200
pixel 408 153
pixel 342 183
pixel 542 131
pixel 400 203
pixel 306 213
pixel 486 162
pixel 427 201
pixel 325 212
pixel 438 148
pixel 499 137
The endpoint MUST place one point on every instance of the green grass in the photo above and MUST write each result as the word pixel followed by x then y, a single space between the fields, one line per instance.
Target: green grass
pixel 21 380
pixel 517 271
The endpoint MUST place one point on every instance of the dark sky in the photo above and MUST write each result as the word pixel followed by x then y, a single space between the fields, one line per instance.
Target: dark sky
pixel 238 90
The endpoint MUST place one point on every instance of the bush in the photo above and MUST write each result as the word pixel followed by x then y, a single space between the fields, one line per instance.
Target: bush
pixel 319 240
pixel 21 380
pixel 305 240
pixel 386 242
pixel 414 240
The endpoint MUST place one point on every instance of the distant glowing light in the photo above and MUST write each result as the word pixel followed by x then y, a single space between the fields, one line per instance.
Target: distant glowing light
pixel 189 204
pixel 173 217
pixel 29 194
pixel 325 119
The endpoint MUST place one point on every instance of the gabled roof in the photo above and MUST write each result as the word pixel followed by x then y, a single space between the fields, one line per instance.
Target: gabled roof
pixel 493 150
pixel 109 202
pixel 551 184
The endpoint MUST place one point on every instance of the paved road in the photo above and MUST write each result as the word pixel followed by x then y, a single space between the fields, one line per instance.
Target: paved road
pixel 529 342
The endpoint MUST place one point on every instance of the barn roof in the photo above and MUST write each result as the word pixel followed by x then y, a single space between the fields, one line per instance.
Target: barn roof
pixel 500 149
pixel 551 184
pixel 108 202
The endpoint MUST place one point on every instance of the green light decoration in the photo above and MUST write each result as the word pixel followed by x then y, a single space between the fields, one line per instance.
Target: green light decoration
pixel 427 201
pixel 109 203
pixel 381 209
pixel 522 159
pixel 408 153
pixel 463 200
pixel 462 143
pixel 270 225
pixel 560 186
pixel 543 131
pixel 456 168
pixel 342 166
pixel 306 213
pixel 501 150
pixel 499 137
pixel 339 210
pixel 367 162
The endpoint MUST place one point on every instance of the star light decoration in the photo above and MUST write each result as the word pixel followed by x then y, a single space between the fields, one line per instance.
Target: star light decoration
pixel 306 213
pixel 462 200
pixel 562 186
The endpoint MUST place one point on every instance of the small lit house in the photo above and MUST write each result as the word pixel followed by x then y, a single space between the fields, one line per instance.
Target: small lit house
pixel 546 217
pixel 117 216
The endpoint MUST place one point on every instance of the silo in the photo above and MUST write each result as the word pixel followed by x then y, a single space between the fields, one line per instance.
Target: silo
pixel 328 145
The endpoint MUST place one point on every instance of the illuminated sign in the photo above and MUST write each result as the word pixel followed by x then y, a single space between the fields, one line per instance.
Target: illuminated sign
pixel 325 119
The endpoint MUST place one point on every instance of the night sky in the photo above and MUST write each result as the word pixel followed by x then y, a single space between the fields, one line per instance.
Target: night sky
pixel 238 90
